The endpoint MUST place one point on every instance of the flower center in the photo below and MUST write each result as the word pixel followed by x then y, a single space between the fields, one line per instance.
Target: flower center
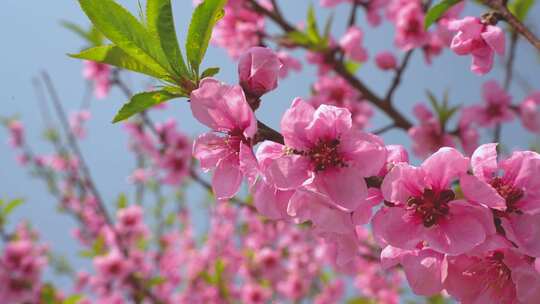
pixel 492 271
pixel 337 95
pixel 511 194
pixel 326 155
pixel 431 206
pixel 413 27
pixel 494 110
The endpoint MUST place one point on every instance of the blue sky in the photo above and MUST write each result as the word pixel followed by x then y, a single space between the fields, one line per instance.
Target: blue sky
pixel 33 40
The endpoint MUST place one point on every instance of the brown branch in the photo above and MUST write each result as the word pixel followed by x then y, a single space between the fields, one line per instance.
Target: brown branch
pixel 384 105
pixel 352 16
pixel 397 78
pixel 500 7
pixel 264 132
pixel 383 129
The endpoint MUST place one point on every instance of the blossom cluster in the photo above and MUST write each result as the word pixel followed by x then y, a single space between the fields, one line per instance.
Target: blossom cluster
pixel 329 204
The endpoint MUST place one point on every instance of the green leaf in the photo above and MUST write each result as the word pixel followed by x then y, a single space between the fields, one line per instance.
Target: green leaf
pixel 48 294
pixel 141 102
pixel 299 38
pixel 438 299
pixel 209 72
pixel 437 11
pixel 124 30
pixel 359 300
pixel 10 207
pixel 86 253
pixel 312 30
pixel 328 28
pixel 90 36
pixel 99 246
pixel 73 299
pixel 121 201
pixel 115 56
pixel 160 22
pixel 352 66
pixel 520 8
pixel 434 102
pixel 155 281
pixel 206 15
pixel 95 36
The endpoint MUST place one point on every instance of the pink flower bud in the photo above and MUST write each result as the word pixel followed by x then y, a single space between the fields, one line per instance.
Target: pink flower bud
pixel 351 43
pixel 386 61
pixel 258 70
pixel 530 113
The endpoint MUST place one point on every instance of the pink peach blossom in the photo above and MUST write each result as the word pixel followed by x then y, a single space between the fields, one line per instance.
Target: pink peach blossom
pixel 409 24
pixel 496 108
pixel 16 132
pixel 99 73
pixel 422 207
pixel 386 61
pixel 326 154
pixel 258 71
pixel 480 40
pixel 224 109
pixel 334 90
pixel 424 268
pixel 514 194
pixel 497 275
pixel 429 135
pixel 351 43
pixel 289 63
pixel 530 112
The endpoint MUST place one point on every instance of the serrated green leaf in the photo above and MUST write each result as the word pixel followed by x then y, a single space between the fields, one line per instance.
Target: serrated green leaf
pixel 73 299
pixel 436 11
pixel 205 16
pixel 160 22
pixel 520 8
pixel 125 31
pixel 141 102
pixel 11 206
pixel 115 56
pixel 209 72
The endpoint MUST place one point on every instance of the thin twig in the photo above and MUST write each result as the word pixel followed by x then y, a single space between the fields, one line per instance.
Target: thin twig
pixel 72 141
pixel 500 7
pixel 397 78
pixel 383 129
pixel 352 16
pixel 399 119
pixel 508 77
